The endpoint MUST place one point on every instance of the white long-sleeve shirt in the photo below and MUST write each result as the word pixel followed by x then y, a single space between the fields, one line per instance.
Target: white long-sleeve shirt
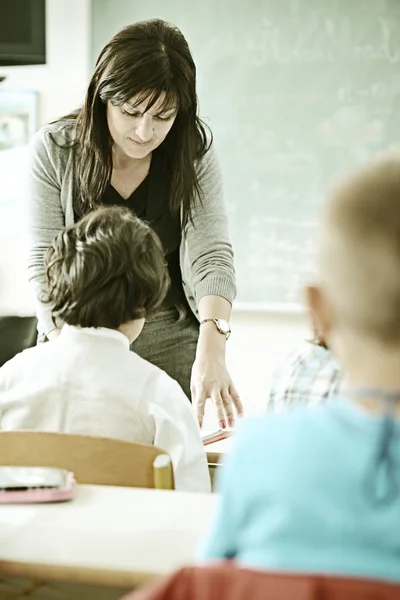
pixel 87 381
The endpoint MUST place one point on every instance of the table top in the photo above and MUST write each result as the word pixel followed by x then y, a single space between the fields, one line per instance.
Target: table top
pixel 106 535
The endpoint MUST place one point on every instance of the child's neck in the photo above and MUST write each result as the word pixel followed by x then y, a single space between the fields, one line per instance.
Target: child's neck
pixel 371 370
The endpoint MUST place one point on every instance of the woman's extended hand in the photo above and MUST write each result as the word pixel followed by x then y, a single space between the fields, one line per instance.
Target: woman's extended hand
pixel 210 379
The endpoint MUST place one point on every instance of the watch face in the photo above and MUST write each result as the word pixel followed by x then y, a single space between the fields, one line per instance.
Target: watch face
pixel 223 326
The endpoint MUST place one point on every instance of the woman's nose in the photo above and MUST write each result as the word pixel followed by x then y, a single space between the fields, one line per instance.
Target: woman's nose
pixel 144 128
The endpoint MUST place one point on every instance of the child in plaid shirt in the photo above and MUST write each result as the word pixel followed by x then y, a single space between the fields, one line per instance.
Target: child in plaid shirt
pixel 308 375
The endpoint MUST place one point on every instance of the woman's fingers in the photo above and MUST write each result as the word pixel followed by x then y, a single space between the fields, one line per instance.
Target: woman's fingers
pixel 225 401
pixel 199 398
pixel 219 407
pixel 228 407
pixel 236 400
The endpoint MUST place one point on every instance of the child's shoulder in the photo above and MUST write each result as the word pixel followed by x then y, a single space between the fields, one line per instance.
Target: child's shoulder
pixel 147 372
pixel 309 374
pixel 141 366
pixel 276 429
pixel 305 352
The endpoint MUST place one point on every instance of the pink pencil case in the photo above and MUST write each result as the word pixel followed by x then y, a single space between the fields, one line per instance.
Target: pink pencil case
pixel 26 485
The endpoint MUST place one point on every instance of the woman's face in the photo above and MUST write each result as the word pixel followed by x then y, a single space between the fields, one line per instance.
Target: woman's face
pixel 136 132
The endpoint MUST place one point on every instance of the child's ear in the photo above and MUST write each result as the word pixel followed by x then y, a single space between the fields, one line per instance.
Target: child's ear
pixel 320 314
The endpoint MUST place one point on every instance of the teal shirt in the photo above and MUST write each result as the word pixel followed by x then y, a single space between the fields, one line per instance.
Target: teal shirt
pixel 293 495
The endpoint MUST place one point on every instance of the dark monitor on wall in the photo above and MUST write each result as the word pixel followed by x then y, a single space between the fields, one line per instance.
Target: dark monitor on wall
pixel 22 32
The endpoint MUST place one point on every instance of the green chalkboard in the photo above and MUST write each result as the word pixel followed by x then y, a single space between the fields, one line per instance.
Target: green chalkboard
pixel 295 92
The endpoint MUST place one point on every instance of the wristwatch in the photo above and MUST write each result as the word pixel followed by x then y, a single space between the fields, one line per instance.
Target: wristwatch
pixel 221 324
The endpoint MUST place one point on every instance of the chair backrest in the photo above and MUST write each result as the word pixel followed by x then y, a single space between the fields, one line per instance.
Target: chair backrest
pixel 93 460
pixel 227 582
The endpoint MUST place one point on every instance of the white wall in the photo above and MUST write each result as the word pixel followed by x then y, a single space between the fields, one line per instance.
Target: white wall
pixel 60 85
pixel 61 82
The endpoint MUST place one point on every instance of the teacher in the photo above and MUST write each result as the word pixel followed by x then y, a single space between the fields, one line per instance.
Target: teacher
pixel 138 142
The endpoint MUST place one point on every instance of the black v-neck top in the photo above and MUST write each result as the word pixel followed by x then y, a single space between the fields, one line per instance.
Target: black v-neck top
pixel 150 202
pixel 137 201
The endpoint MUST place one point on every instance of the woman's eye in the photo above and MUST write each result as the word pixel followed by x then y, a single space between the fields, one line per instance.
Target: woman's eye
pixel 137 115
pixel 158 118
pixel 129 114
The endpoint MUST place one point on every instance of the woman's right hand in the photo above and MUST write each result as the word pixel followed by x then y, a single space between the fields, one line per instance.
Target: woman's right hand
pixel 53 334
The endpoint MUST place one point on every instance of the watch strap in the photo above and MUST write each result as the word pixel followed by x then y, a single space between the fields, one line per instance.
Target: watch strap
pixel 215 321
pixel 208 321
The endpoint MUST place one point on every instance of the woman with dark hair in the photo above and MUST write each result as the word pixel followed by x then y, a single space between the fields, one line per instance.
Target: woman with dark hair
pixel 138 142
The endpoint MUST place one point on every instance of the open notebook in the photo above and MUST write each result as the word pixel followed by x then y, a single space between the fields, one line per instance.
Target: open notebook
pixel 208 437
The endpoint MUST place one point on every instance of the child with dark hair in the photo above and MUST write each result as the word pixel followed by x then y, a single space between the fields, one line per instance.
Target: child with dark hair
pixel 104 276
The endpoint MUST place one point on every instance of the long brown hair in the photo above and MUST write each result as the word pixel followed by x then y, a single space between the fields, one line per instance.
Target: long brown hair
pixel 149 60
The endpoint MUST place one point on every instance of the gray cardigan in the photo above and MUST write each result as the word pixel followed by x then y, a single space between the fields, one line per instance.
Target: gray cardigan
pixel 206 255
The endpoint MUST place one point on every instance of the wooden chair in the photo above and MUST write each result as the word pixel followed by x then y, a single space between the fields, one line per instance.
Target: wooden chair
pixel 93 460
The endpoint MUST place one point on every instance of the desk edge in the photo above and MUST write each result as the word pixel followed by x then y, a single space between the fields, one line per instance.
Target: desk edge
pixel 70 574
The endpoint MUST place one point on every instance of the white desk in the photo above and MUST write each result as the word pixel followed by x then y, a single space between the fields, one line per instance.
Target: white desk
pixel 107 535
